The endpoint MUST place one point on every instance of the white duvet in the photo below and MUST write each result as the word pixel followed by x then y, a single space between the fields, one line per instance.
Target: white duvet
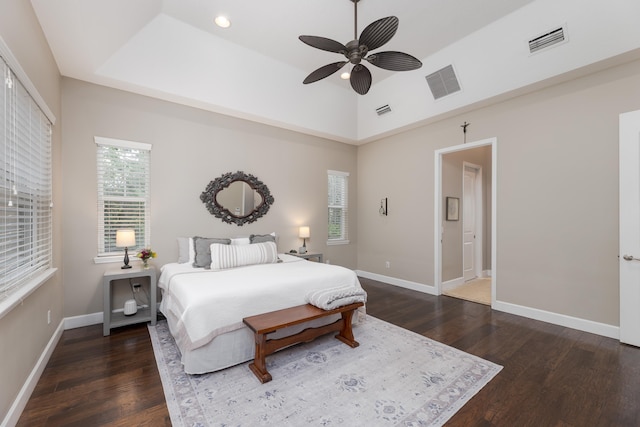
pixel 208 303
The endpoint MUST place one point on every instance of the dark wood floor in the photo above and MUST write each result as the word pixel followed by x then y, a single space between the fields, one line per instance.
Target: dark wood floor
pixel 552 376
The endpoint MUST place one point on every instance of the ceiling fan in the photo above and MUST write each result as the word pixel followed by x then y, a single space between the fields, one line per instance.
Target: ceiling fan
pixel 373 36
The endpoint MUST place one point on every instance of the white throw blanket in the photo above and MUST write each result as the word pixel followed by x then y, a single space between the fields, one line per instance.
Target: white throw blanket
pixel 207 303
pixel 339 296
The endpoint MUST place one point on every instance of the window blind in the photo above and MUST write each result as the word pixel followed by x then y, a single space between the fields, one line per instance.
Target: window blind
pixel 338 184
pixel 123 192
pixel 26 227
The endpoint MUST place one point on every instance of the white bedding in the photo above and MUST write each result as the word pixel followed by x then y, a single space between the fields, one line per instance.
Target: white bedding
pixel 205 304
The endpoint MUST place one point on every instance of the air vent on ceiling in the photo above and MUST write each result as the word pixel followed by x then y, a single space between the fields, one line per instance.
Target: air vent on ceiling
pixel 546 40
pixel 383 110
pixel 443 82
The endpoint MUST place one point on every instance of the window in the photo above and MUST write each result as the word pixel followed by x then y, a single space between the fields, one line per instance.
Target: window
pixel 123 192
pixel 338 212
pixel 25 185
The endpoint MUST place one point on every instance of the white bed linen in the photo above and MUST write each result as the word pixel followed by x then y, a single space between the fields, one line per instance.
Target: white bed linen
pixel 238 346
pixel 204 304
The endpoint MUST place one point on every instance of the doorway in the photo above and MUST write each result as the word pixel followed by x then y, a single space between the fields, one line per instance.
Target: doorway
pixel 473 238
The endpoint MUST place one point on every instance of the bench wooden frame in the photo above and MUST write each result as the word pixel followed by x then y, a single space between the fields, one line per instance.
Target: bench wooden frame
pixel 263 324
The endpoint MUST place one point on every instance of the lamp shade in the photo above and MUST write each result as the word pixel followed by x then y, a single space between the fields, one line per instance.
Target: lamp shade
pixel 125 238
pixel 304 232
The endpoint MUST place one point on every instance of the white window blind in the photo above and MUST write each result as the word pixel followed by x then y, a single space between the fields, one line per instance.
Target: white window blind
pixel 338 207
pixel 25 186
pixel 123 193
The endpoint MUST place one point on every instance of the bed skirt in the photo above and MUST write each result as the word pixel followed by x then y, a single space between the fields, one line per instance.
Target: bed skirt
pixel 235 347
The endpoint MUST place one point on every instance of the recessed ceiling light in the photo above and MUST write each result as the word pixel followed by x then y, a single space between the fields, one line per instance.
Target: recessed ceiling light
pixel 222 21
pixel 345 75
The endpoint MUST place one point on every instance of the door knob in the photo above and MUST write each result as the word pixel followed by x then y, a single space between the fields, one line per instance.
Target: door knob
pixel 630 258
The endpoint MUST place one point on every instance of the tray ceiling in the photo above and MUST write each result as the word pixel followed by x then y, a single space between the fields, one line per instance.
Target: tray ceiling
pixel 172 50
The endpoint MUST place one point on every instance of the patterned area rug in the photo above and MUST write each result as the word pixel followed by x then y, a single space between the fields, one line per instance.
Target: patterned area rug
pixel 394 378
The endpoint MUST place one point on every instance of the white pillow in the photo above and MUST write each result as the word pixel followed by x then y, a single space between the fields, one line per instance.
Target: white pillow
pixel 240 241
pixel 186 252
pixel 231 256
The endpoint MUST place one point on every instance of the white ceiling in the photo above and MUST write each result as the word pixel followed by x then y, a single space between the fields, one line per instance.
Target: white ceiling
pixel 170 49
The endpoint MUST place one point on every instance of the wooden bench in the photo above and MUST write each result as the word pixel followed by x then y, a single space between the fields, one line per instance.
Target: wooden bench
pixel 263 324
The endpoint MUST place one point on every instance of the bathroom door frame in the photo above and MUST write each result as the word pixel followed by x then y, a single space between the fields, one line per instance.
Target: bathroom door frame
pixel 439 203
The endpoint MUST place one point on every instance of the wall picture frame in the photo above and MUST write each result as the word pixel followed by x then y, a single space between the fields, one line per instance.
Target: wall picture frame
pixel 453 208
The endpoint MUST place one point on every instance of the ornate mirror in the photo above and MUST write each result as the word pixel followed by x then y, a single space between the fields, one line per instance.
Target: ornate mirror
pixel 237 198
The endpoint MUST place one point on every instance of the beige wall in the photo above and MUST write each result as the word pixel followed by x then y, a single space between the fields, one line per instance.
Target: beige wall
pixel 24 332
pixel 190 148
pixel 557 213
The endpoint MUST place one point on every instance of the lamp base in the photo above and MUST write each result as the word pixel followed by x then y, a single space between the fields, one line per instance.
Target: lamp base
pixel 302 250
pixel 126 259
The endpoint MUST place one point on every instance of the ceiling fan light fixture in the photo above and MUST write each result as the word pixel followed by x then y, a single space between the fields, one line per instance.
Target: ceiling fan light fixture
pixel 222 21
pixel 372 37
pixel 345 75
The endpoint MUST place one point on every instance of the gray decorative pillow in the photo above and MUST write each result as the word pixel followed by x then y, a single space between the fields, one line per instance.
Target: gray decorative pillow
pixel 202 247
pixel 261 238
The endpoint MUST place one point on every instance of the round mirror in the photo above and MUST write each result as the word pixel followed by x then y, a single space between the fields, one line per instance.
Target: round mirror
pixel 237 198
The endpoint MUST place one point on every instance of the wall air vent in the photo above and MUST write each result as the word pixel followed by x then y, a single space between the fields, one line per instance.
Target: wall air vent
pixel 383 110
pixel 443 82
pixel 548 39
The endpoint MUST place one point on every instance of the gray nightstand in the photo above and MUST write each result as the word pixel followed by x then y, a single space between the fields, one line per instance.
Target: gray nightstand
pixel 114 320
pixel 308 256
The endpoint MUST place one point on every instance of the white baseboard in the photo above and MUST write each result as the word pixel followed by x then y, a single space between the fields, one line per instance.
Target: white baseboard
pixel 519 310
pixel 420 287
pixel 91 319
pixel 452 284
pixel 559 319
pixel 83 320
pixel 13 415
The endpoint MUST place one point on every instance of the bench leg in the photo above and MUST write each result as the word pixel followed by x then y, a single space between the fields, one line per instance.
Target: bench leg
pixel 346 333
pixel 258 367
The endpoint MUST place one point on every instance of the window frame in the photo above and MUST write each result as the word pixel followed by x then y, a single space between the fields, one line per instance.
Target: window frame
pixel 106 251
pixel 344 235
pixel 26 185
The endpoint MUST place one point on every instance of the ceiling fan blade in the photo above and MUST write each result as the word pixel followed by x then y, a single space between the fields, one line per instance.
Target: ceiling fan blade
pixel 379 32
pixel 323 72
pixel 394 61
pixel 324 44
pixel 360 79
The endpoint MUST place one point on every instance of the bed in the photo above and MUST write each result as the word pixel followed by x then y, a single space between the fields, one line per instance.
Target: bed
pixel 205 307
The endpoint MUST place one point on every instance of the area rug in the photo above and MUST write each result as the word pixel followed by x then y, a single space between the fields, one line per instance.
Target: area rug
pixel 394 378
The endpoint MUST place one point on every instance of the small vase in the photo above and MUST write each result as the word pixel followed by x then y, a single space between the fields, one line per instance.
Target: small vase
pixel 145 264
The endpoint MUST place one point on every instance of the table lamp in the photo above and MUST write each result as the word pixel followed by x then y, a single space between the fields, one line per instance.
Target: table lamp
pixel 124 239
pixel 303 234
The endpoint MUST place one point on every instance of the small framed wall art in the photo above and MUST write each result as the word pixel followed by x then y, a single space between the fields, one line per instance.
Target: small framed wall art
pixel 453 208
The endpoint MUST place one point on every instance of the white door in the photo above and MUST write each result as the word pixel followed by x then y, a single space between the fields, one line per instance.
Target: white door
pixel 469 211
pixel 629 148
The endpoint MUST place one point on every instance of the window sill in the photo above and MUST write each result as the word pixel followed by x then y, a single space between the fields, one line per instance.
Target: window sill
pixel 337 242
pixel 18 296
pixel 113 259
